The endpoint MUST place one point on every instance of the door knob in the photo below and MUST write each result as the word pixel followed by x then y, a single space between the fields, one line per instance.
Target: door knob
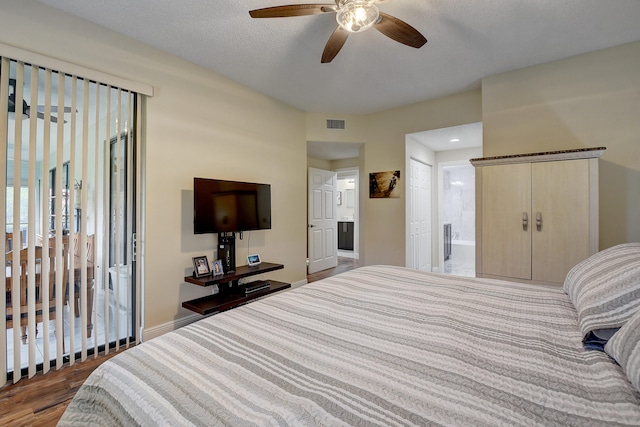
pixel 525 220
pixel 311 225
pixel 539 221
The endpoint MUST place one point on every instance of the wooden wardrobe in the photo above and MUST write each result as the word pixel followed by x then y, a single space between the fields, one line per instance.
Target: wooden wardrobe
pixel 536 214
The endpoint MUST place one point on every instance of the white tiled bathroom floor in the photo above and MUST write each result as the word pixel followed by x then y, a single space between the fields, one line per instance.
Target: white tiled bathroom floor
pixel 459 268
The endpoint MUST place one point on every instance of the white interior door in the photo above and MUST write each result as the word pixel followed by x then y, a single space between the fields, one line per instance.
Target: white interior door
pixel 419 256
pixel 322 221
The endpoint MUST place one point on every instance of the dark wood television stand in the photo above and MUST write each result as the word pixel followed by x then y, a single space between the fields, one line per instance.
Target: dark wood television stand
pixel 230 293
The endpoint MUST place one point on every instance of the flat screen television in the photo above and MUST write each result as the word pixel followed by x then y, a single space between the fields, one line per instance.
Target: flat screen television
pixel 230 206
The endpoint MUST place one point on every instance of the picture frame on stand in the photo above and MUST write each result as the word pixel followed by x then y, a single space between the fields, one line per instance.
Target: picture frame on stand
pixel 201 266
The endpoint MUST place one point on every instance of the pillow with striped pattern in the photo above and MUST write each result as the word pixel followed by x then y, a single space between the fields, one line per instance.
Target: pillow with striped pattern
pixel 624 347
pixel 605 288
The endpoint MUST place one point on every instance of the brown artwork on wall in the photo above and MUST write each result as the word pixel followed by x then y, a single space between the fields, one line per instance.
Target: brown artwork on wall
pixel 384 185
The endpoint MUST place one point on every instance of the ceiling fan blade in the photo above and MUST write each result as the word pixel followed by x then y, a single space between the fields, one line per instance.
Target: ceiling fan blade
pixel 292 10
pixel 399 31
pixel 335 43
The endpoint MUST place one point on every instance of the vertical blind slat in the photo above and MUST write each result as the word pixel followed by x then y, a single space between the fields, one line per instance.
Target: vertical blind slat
pixel 32 218
pixel 71 289
pixel 96 174
pixel 129 213
pixel 46 209
pixel 138 220
pixel 15 290
pixel 118 207
pixel 4 119
pixel 105 200
pixel 83 208
pixel 17 160
pixel 60 195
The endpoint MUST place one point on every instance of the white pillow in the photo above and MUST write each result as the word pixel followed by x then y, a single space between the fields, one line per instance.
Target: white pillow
pixel 624 347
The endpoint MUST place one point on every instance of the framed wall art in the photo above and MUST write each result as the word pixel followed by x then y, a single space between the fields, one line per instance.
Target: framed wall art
pixel 384 185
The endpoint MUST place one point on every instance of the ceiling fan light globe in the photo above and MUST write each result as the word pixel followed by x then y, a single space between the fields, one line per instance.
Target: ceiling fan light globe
pixel 357 16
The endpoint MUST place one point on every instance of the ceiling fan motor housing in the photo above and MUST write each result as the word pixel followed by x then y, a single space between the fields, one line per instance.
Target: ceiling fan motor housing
pixel 357 15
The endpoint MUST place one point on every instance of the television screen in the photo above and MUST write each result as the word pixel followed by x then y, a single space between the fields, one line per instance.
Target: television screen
pixel 227 206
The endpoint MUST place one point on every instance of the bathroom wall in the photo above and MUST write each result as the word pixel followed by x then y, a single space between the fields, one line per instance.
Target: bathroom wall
pixel 459 200
pixel 346 203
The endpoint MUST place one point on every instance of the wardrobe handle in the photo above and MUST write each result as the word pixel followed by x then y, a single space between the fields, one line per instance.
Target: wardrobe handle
pixel 539 221
pixel 525 220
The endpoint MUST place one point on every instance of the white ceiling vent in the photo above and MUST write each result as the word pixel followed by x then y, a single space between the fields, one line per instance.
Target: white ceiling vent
pixel 335 124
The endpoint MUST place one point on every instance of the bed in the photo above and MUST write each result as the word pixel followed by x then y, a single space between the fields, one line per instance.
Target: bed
pixel 384 346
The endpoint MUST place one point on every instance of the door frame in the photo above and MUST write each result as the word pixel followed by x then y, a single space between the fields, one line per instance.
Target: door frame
pixel 441 166
pixel 355 174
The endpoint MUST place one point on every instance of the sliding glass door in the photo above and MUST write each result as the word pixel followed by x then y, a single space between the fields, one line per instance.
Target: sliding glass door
pixel 68 147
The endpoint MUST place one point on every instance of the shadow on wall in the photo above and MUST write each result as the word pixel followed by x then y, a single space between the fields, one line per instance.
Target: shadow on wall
pixel 619 204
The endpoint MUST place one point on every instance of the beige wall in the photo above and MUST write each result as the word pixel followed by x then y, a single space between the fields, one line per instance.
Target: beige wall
pixel 384 230
pixel 589 100
pixel 313 162
pixel 198 124
pixel 345 163
pixel 382 221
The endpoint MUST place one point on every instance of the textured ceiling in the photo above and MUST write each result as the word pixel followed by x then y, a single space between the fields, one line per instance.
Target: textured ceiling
pixel 467 40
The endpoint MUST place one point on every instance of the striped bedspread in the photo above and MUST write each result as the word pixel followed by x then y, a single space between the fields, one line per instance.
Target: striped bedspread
pixel 377 346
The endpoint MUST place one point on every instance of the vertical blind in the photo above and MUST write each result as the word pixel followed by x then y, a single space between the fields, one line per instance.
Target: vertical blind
pixel 70 147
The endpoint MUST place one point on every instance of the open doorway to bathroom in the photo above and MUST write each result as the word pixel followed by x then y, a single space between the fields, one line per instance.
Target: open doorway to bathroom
pixel 449 150
pixel 347 213
pixel 458 218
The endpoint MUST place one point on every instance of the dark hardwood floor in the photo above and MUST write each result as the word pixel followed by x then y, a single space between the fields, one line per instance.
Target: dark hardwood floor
pixel 41 400
pixel 344 264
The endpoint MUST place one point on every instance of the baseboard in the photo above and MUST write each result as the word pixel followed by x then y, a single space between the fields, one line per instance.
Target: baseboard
pixel 156 331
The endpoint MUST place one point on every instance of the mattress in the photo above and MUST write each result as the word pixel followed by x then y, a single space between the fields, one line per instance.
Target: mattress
pixel 376 346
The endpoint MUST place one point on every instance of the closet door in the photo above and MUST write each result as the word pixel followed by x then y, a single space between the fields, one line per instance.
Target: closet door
pixel 560 223
pixel 506 220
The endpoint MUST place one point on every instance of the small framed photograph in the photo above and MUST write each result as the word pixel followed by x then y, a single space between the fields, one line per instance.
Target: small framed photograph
pixel 201 266
pixel 217 267
pixel 253 260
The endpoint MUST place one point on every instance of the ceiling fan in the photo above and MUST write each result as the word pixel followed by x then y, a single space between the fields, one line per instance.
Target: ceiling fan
pixel 353 16
pixel 26 109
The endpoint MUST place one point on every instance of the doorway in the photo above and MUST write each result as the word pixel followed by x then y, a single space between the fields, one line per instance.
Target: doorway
pixel 342 159
pixel 457 214
pixel 450 146
pixel 347 213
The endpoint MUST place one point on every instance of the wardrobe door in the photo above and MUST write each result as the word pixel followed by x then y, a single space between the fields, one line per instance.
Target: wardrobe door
pixel 560 223
pixel 506 220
